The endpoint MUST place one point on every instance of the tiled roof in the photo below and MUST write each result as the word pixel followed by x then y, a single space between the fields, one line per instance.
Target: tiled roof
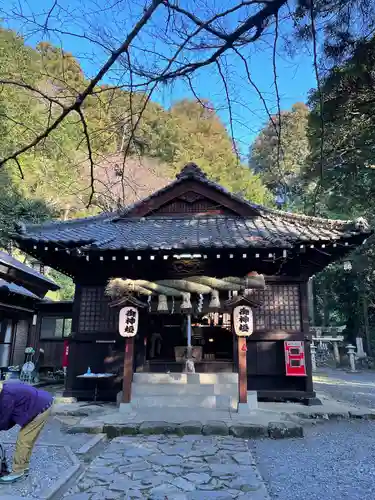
pixel 267 230
pixel 119 230
pixel 10 262
pixel 18 290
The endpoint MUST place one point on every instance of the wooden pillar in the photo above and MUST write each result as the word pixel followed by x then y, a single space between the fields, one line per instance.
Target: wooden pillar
pixel 71 381
pixel 242 369
pixel 128 370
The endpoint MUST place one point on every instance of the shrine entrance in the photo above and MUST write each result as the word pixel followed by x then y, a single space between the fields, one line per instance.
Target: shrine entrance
pixel 166 343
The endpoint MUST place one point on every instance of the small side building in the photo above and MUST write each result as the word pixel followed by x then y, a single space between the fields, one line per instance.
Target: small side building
pixel 22 289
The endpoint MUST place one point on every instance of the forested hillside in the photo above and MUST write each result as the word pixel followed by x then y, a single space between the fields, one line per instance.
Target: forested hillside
pixel 125 166
pixel 58 173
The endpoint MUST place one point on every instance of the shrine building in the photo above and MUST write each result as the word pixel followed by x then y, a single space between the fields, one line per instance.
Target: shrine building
pixel 191 272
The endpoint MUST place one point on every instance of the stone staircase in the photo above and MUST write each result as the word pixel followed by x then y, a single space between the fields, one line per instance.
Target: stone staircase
pixel 182 390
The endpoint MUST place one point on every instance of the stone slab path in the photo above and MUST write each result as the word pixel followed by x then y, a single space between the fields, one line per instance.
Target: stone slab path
pixel 171 467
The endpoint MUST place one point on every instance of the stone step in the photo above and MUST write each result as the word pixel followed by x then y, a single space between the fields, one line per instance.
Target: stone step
pixel 184 389
pixel 185 378
pixel 219 401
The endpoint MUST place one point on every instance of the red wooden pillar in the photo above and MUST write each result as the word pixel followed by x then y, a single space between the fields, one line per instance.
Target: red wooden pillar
pixel 128 370
pixel 242 369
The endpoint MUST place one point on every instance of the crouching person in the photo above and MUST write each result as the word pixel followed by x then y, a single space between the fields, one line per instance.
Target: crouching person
pixel 28 407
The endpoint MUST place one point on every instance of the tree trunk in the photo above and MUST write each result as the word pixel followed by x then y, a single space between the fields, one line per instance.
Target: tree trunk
pixel 311 300
pixel 366 324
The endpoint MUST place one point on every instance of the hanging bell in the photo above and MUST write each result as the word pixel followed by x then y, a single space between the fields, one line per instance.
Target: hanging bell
pixel 162 303
pixel 186 302
pixel 215 300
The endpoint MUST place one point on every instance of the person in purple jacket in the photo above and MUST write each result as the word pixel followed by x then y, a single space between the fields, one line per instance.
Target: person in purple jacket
pixel 23 405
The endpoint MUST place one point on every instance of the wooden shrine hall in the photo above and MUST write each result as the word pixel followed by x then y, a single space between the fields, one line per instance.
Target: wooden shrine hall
pixel 192 272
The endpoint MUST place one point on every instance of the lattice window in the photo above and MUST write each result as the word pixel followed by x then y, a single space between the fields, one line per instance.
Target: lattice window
pixel 279 308
pixel 95 313
pixel 179 206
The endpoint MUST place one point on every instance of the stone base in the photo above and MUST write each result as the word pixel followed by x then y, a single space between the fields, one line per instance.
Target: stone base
pixel 312 402
pixel 243 408
pixel 125 407
pixel 252 403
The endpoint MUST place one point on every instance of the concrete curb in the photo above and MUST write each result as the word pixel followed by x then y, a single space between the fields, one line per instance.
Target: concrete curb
pixel 91 446
pixel 61 485
pixel 354 413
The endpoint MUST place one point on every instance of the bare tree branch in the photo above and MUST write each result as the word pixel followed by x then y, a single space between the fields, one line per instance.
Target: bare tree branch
pixel 90 154
pixel 19 168
pixel 257 21
pixel 81 97
pixel 229 107
pixel 279 125
pixel 49 15
pixel 321 104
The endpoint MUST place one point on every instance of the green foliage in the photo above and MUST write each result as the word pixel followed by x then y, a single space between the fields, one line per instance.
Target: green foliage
pixel 347 162
pixel 56 171
pixel 188 131
pixel 280 151
pixel 15 207
pixel 346 179
pixel 66 284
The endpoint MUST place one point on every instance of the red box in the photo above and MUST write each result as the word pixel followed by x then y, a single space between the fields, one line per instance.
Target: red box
pixel 295 365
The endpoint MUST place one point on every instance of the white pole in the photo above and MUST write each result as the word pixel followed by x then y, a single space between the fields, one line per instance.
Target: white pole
pixel 189 330
pixel 313 356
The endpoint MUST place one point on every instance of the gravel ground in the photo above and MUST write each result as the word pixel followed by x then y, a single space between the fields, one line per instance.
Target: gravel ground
pixel 47 464
pixel 334 461
pixel 355 388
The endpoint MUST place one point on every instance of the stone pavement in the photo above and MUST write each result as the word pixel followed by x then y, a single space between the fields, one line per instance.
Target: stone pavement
pixel 271 419
pixel 172 467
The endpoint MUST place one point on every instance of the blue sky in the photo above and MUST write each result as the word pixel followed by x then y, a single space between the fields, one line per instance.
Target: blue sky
pixel 295 73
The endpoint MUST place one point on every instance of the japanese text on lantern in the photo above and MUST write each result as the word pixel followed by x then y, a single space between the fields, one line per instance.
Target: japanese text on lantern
pixel 243 321
pixel 128 321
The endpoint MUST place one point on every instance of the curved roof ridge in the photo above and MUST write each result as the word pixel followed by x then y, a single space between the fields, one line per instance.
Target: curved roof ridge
pixel 360 222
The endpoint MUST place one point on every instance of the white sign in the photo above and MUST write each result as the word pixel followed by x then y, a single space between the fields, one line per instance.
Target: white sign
pixel 128 321
pixel 243 321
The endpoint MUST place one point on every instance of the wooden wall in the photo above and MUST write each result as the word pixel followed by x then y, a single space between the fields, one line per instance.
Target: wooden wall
pixel 281 316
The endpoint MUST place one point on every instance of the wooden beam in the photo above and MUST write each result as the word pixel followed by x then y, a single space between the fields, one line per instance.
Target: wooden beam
pixel 128 370
pixel 309 387
pixel 242 369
